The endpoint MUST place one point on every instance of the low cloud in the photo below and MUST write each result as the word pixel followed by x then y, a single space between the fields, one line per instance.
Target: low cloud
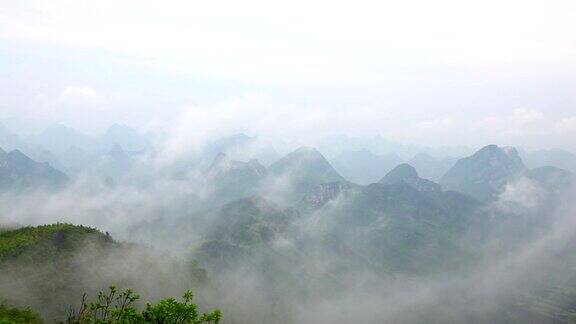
pixel 82 98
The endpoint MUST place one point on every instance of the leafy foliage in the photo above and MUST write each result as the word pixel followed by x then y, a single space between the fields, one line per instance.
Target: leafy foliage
pixel 118 307
pixel 172 311
pixel 17 315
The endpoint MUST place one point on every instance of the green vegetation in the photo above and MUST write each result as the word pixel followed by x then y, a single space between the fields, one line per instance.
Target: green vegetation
pixel 17 316
pixel 54 263
pixel 252 221
pixel 118 307
pixel 43 242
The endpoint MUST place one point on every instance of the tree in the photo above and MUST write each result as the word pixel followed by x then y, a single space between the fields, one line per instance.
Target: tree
pixel 118 307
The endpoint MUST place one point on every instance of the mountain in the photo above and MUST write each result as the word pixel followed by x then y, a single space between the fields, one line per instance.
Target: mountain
pixel 18 171
pixel 128 138
pixel 40 244
pixel 76 152
pixel 484 174
pixel 430 167
pixel 250 221
pixel 552 178
pixel 75 160
pixel 402 223
pixel 55 264
pixel 116 163
pixel 242 147
pixel 11 141
pixel 401 228
pixel 241 227
pixel 321 194
pixel 405 173
pixel 553 157
pixel 42 155
pixel 302 170
pixel 59 138
pixel 232 179
pixel 260 240
pixel 364 167
pixel 41 261
pixel 332 146
pixel 228 144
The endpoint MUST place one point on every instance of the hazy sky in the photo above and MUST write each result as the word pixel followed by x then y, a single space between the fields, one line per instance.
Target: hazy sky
pixel 432 72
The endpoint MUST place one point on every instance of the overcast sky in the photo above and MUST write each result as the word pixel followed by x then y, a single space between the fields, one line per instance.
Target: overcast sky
pixel 431 72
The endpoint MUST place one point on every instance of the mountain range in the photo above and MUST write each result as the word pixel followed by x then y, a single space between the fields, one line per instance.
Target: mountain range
pixel 363 166
pixel 484 174
pixel 18 171
pixel 552 157
pixel 303 229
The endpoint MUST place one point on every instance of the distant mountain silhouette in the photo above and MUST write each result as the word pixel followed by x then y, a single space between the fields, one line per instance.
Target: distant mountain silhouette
pixel 307 166
pixel 232 179
pixel 127 137
pixel 484 174
pixel 405 173
pixel 364 167
pixel 18 171
pixel 430 167
pixel 552 157
pixel 10 141
pixel 552 178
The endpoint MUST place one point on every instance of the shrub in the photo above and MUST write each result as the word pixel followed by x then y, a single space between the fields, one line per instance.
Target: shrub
pixel 118 307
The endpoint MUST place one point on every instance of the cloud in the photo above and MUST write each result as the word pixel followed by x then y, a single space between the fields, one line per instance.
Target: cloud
pixel 362 76
pixel 523 116
pixel 527 127
pixel 82 98
pixel 522 196
pixel 567 124
pixel 517 122
pixel 271 120
pixel 267 45
pixel 436 124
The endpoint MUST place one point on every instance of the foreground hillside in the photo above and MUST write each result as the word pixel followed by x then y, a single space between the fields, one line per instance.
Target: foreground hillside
pixel 49 267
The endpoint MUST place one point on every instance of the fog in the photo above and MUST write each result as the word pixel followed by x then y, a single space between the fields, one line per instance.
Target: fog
pixel 170 204
pixel 314 162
